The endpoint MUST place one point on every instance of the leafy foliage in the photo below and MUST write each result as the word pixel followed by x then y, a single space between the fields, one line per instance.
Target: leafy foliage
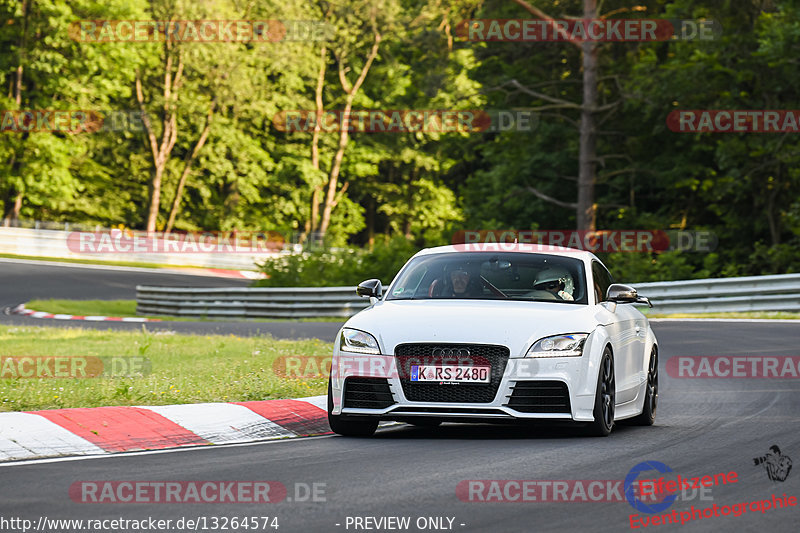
pixel 414 188
pixel 340 267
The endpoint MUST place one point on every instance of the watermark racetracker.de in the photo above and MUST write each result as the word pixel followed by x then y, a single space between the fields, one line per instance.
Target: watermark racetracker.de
pixel 132 241
pixel 616 240
pixel 182 491
pixel 588 30
pixel 177 492
pixel 192 523
pixel 733 367
pixel 72 367
pixel 406 120
pixel 568 491
pixel 70 121
pixel 200 31
pixel 734 121
pixel 424 368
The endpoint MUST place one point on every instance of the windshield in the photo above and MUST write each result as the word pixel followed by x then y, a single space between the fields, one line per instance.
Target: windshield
pixel 501 276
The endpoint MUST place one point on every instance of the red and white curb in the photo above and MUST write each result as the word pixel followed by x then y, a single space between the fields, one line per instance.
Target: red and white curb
pixel 22 310
pixel 105 430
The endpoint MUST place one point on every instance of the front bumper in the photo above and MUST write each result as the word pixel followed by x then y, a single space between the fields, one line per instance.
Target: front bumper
pixel 572 374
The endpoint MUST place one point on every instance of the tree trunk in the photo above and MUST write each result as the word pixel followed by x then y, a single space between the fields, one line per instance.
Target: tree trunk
pixel 311 225
pixel 587 154
pixel 410 203
pixel 161 151
pixel 772 220
pixel 22 44
pixel 333 179
pixel 371 207
pixel 176 202
pixel 312 222
pixel 155 197
pixel 12 215
pixel 587 158
pixel 330 196
pixel 17 208
pixel 16 164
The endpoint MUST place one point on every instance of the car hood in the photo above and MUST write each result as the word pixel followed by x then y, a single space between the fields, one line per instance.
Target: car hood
pixel 509 323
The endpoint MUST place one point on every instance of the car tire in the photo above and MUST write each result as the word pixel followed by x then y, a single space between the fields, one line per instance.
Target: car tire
pixel 648 415
pixel 604 397
pixel 347 425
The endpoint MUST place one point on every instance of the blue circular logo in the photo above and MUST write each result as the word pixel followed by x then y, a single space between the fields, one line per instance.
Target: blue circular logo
pixel 630 481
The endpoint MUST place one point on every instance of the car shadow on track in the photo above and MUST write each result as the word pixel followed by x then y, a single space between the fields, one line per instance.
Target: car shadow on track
pixel 495 431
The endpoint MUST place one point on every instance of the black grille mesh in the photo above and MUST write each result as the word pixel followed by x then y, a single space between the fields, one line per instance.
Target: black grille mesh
pixel 407 355
pixel 367 393
pixel 540 397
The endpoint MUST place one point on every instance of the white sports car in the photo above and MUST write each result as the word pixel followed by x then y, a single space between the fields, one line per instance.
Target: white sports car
pixel 495 333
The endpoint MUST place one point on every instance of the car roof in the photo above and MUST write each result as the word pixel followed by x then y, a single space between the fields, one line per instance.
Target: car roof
pixel 492 247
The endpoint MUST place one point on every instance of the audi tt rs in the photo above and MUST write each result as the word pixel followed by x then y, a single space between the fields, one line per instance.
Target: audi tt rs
pixel 495 333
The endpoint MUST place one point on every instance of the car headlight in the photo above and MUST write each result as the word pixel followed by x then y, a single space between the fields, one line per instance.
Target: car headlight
pixel 353 340
pixel 558 346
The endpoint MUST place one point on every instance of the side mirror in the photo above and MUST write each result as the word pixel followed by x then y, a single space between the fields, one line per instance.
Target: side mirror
pixel 625 294
pixel 371 288
pixel 620 293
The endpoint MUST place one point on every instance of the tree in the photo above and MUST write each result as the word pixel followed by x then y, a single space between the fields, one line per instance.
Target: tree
pixel 349 49
pixel 45 69
pixel 585 206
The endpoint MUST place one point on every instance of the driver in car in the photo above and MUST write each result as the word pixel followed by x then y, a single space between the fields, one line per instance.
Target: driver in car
pixel 554 281
pixel 459 279
pixel 459 282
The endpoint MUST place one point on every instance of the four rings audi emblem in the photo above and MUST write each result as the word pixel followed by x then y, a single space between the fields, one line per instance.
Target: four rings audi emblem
pixel 450 352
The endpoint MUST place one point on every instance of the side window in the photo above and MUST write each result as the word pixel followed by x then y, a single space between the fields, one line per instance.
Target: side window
pixel 601 279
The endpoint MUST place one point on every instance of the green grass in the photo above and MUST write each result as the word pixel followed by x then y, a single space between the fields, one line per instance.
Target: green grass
pixel 85 307
pixel 184 368
pixel 126 308
pixel 770 315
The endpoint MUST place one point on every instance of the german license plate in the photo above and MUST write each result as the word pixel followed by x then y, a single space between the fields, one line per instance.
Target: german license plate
pixel 451 373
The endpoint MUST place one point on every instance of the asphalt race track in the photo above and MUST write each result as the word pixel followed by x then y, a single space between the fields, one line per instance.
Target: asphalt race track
pixel 22 282
pixel 704 427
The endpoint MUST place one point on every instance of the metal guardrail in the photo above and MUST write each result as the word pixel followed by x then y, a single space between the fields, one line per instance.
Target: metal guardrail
pixel 755 293
pixel 752 293
pixel 245 302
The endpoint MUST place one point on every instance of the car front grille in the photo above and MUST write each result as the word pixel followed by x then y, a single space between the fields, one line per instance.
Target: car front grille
pixel 540 397
pixel 367 393
pixel 407 355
